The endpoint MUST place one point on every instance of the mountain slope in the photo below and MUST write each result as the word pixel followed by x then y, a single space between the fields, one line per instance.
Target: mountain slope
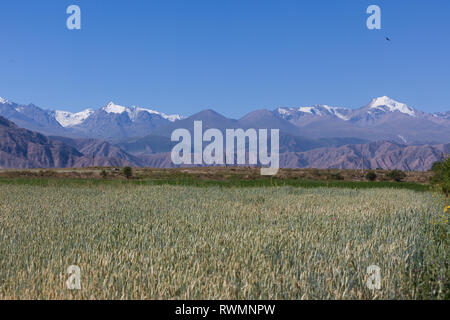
pixel 265 119
pixel 380 154
pixel 110 121
pixel 21 148
pixel 382 119
pixel 98 151
pixel 114 121
pixel 30 117
pixel 209 118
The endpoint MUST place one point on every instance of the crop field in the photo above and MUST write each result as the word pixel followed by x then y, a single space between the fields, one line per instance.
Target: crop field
pixel 134 241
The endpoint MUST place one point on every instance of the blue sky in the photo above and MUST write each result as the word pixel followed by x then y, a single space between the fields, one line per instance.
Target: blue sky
pixel 234 56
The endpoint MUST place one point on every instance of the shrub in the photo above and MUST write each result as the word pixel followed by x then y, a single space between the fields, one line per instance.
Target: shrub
pixel 441 177
pixel 336 176
pixel 104 174
pixel 127 172
pixel 371 176
pixel 396 175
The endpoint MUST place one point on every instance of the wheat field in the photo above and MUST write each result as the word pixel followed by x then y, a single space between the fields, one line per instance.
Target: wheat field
pixel 180 242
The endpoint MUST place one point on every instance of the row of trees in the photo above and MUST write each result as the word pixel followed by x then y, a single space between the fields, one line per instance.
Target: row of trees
pixel 396 175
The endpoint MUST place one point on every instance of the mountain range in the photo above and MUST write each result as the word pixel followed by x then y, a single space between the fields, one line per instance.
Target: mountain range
pixel 384 133
pixel 381 119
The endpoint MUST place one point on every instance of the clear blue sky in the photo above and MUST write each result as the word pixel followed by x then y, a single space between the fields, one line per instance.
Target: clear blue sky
pixel 235 56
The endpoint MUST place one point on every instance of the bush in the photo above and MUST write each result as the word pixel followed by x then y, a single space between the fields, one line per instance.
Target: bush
pixel 104 174
pixel 127 172
pixel 441 177
pixel 371 176
pixel 396 175
pixel 336 176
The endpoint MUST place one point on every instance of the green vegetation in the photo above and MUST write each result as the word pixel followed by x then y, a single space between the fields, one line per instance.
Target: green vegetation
pixel 136 241
pixel 441 177
pixel 233 182
pixel 396 175
pixel 127 172
pixel 371 176
pixel 336 176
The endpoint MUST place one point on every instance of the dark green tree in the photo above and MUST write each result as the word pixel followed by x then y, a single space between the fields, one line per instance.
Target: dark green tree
pixel 371 176
pixel 127 172
pixel 396 175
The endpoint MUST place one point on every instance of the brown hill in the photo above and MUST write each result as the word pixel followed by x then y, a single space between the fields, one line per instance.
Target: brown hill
pixel 379 154
pixel 21 148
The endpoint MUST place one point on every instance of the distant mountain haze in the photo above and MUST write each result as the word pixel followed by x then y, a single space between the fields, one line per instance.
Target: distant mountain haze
pixel 381 119
pixel 22 148
pixel 383 134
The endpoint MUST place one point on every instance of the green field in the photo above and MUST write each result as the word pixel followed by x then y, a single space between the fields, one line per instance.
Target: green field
pixel 228 183
pixel 178 242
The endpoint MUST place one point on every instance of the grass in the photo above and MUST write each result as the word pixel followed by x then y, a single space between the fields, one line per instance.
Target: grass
pixel 228 183
pixel 139 240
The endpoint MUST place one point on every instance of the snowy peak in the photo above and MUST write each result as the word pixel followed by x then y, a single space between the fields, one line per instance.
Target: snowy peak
pixel 69 119
pixel 134 111
pixel 389 105
pixel 4 101
pixel 317 110
pixel 171 118
pixel 111 107
pixel 341 113
pixel 378 105
pixel 442 115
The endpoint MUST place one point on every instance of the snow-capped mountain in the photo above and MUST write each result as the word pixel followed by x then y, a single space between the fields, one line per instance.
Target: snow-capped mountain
pixel 115 121
pixel 382 118
pixel 301 115
pixel 109 121
pixel 30 117
pixel 133 112
pixel 442 115
pixel 386 104
pixel 383 109
pixel 377 106
pixel 4 101
pixel 69 119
